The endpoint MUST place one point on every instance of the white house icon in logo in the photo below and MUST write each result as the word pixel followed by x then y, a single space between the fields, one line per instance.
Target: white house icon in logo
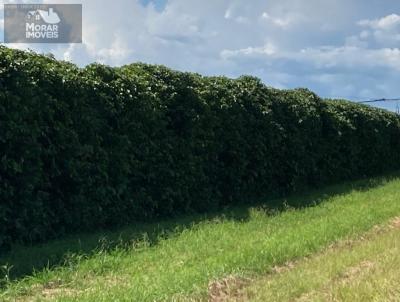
pixel 49 17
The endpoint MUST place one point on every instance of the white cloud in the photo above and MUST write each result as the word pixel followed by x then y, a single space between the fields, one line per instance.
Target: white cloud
pixel 238 12
pixel 281 22
pixel 118 52
pixel 324 58
pixel 268 50
pixel 239 19
pixel 385 23
pixel 353 57
pixel 365 34
pixel 384 31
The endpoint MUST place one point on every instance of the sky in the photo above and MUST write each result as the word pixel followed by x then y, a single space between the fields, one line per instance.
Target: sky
pixel 337 48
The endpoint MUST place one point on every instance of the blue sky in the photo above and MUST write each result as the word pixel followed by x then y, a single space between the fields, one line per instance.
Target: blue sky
pixel 337 48
pixel 158 4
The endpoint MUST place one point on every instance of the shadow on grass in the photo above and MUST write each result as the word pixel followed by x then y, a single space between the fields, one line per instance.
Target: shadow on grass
pixel 25 260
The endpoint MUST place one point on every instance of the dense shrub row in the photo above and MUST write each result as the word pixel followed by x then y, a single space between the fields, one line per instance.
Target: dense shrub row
pixel 99 146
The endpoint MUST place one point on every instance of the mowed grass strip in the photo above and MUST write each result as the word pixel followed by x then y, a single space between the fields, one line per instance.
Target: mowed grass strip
pixel 181 266
pixel 364 270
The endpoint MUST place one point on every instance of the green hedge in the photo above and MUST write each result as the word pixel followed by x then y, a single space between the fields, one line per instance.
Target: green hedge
pixel 94 147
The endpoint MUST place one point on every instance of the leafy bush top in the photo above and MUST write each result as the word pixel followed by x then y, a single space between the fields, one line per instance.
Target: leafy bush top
pixel 83 148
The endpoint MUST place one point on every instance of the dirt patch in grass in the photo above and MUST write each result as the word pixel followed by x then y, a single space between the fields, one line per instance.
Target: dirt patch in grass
pixel 48 291
pixel 278 269
pixel 354 271
pixel 396 222
pixel 53 289
pixel 227 289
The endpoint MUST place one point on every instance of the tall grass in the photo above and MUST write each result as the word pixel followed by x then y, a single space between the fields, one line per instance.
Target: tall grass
pixel 180 261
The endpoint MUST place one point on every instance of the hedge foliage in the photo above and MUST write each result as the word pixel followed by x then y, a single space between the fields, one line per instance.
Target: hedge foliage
pixel 94 147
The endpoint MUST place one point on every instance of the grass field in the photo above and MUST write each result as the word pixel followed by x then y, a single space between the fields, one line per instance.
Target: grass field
pixel 362 270
pixel 189 259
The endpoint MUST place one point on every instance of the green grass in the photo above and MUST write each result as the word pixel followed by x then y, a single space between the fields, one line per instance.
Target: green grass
pixel 366 270
pixel 148 263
